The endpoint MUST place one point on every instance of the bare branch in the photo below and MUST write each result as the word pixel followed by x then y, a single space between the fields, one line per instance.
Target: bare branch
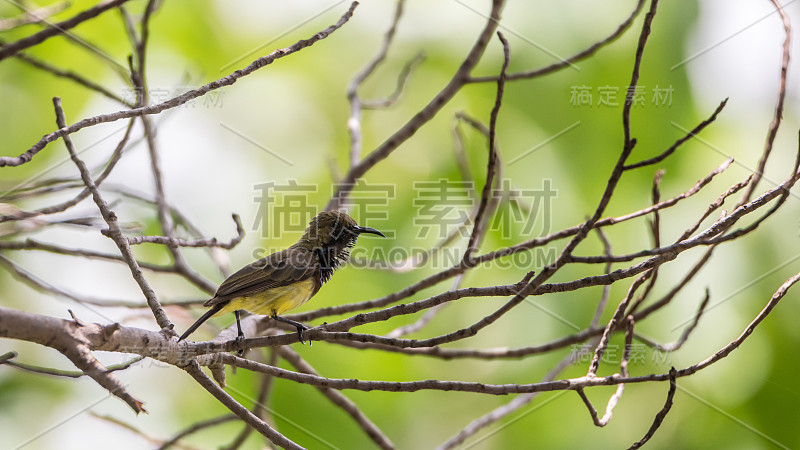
pixel 264 392
pixel 32 244
pixel 112 162
pixel 56 29
pixel 372 430
pixel 66 336
pixel 175 101
pixel 492 159
pixel 666 153
pixel 32 16
pixel 612 324
pixel 589 51
pixel 673 346
pixel 402 80
pixel 125 426
pixel 514 405
pixel 354 122
pixel 43 286
pixel 601 305
pixel 262 427
pixel 24 326
pixel 173 242
pixel 571 231
pixel 70 75
pixel 410 308
pixel 199 426
pixel 425 318
pixel 733 345
pixel 772 131
pixel 113 227
pixel 636 267
pixel 661 414
pixel 714 206
pixel 612 402
pixel 424 115
pixel 59 372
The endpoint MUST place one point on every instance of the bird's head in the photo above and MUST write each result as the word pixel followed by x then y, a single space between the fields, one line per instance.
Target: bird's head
pixel 330 236
pixel 334 231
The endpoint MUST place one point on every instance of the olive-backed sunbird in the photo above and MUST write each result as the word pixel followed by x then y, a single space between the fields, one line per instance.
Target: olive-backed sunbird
pixel 287 279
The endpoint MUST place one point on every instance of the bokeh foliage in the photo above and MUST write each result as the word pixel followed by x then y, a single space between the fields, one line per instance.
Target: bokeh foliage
pixel 297 109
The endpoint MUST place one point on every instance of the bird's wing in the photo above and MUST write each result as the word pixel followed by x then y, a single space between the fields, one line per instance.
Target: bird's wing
pixel 278 269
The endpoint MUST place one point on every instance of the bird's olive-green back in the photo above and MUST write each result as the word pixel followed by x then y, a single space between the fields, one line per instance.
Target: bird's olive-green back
pixel 322 248
pixel 278 269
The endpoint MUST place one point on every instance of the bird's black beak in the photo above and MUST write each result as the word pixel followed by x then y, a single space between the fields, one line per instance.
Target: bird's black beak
pixel 360 230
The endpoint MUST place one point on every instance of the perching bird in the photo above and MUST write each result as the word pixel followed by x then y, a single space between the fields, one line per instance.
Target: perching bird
pixel 287 279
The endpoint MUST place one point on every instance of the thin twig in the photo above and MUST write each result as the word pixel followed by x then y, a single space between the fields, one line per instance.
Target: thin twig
pixel 601 305
pixel 113 227
pixel 666 153
pixel 655 231
pixel 67 373
pixel 15 47
pixel 70 75
pixel 259 407
pixel 112 162
pixel 402 80
pixel 772 130
pixel 32 244
pixel 614 400
pixel 613 323
pixel 173 242
pixel 492 159
pixel 32 16
pixel 372 430
pixel 567 62
pixel 677 344
pixel 461 156
pixel 733 345
pixel 423 116
pixel 262 427
pixel 514 405
pixel 41 285
pixel 662 413
pixel 175 101
pixel 126 426
pixel 199 426
pixel 354 121
pixel 425 319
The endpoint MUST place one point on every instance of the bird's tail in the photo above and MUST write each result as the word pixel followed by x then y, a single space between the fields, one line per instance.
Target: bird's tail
pixel 214 309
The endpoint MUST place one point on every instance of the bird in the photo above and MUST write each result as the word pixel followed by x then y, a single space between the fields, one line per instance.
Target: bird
pixel 287 279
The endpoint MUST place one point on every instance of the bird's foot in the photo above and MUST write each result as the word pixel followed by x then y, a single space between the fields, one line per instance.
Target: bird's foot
pixel 239 333
pixel 300 329
pixel 239 340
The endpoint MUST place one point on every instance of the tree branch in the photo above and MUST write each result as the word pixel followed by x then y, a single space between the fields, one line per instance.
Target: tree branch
pixel 175 101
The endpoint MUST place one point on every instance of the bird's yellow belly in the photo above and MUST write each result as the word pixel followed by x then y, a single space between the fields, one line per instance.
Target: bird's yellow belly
pixel 272 301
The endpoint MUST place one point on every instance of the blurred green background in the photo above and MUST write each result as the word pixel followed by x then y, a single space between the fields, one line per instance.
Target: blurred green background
pixel 287 122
